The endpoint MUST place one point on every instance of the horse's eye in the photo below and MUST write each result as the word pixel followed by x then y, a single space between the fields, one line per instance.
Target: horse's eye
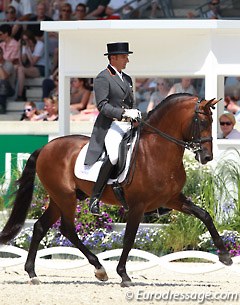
pixel 204 124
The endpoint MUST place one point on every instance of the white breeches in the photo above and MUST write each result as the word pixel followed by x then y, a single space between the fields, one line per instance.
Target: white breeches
pixel 114 137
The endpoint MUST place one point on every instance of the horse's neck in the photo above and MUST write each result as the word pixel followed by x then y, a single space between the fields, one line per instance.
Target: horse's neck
pixel 155 147
pixel 166 126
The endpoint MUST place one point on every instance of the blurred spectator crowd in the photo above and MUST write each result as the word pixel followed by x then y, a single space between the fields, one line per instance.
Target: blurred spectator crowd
pixel 22 55
pixel 23 47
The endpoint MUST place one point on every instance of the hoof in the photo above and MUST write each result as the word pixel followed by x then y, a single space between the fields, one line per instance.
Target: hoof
pixel 225 258
pixel 34 281
pixel 101 274
pixel 126 284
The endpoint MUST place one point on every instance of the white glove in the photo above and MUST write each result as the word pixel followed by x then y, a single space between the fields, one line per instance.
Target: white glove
pixel 132 114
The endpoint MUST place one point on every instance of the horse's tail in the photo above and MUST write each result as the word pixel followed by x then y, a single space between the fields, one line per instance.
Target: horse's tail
pixel 22 200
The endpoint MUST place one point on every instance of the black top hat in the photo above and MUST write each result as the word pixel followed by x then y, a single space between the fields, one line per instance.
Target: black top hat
pixel 118 48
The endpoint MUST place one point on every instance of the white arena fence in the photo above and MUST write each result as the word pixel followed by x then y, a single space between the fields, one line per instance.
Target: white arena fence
pixel 141 260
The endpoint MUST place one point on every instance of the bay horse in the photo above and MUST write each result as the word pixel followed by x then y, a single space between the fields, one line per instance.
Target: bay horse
pixel 180 121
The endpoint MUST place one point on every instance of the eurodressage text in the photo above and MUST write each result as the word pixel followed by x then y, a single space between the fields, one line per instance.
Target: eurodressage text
pixel 198 297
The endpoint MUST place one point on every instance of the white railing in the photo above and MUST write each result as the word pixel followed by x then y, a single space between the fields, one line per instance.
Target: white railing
pixel 142 260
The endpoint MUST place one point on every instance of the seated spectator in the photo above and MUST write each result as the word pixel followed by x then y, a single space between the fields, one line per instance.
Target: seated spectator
pixel 232 87
pixel 154 8
pixel 11 16
pixel 157 96
pixel 185 86
pixel 50 85
pixel 40 16
pixel 80 12
pixel 144 88
pixel 51 108
pixel 31 113
pixel 62 12
pixel 88 114
pixel 96 9
pixel 65 12
pixel 6 72
pixel 11 47
pixel 80 93
pixel 231 105
pixel 54 7
pixel 44 12
pixel 24 8
pixel 32 60
pixel 214 10
pixel 227 122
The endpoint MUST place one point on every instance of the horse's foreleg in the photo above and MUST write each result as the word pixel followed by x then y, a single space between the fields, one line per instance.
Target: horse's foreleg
pixel 49 217
pixel 128 241
pixel 68 230
pixel 189 207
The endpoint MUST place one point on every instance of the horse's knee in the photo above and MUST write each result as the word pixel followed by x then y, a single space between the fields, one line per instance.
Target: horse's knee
pixel 38 229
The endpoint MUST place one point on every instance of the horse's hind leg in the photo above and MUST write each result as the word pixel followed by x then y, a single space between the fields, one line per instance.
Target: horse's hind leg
pixel 49 217
pixel 189 207
pixel 68 230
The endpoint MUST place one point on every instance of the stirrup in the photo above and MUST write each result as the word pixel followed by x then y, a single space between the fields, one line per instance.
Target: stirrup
pixel 94 207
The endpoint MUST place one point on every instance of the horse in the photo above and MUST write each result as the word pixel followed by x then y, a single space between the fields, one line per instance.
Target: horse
pixel 180 122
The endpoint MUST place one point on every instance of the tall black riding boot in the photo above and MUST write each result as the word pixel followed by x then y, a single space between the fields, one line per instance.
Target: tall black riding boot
pixel 98 188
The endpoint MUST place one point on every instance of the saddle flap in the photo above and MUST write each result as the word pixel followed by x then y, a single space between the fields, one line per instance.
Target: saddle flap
pixel 90 173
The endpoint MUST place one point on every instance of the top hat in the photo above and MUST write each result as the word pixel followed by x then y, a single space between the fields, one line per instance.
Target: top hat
pixel 117 48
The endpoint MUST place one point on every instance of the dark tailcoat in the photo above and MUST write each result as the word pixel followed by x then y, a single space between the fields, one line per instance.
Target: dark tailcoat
pixel 112 96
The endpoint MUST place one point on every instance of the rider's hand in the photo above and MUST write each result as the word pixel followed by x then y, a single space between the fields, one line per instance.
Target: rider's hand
pixel 133 114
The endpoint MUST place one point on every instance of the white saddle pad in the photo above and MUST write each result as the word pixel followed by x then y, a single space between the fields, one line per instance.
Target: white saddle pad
pixel 90 173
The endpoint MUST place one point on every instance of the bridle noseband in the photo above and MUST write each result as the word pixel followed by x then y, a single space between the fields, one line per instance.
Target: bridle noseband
pixel 195 144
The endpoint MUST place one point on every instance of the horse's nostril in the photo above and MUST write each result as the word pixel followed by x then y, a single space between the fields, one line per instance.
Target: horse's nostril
pixel 208 158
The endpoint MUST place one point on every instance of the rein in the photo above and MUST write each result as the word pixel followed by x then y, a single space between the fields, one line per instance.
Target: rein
pixel 193 145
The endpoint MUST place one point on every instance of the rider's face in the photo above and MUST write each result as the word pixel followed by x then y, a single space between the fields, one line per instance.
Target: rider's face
pixel 120 61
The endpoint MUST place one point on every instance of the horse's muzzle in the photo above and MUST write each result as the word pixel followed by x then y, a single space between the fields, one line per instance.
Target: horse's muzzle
pixel 203 156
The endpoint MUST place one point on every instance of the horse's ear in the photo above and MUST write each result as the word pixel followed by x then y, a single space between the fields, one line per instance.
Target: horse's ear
pixel 211 103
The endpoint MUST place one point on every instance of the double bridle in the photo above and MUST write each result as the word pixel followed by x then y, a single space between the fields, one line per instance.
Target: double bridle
pixel 195 144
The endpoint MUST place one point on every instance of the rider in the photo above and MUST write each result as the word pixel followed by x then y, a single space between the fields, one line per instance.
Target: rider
pixel 115 102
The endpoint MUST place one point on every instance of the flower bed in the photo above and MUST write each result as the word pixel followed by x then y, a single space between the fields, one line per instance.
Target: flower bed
pixel 231 240
pixel 98 240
